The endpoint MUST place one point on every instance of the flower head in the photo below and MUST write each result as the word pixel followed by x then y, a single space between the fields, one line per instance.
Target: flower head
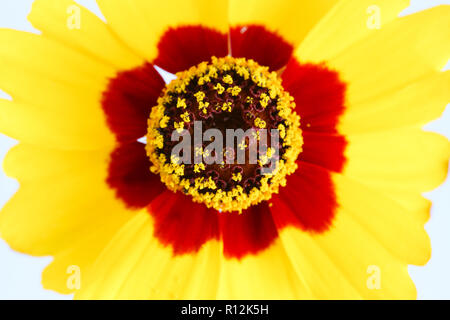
pixel 341 213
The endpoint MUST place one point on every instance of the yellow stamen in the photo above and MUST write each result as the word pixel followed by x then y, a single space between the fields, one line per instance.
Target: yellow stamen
pixel 220 89
pixel 260 123
pixel 181 103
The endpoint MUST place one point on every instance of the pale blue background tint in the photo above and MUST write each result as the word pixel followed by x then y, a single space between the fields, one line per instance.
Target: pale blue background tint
pixel 20 275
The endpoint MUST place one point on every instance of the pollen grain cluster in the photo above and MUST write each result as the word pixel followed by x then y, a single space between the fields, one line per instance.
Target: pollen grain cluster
pixel 227 93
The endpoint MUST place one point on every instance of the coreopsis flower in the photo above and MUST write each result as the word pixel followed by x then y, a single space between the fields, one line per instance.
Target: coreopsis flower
pixel 347 85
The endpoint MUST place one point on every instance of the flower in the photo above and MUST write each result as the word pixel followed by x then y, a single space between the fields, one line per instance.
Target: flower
pixel 345 218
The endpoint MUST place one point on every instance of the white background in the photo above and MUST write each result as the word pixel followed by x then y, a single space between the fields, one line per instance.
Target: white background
pixel 20 275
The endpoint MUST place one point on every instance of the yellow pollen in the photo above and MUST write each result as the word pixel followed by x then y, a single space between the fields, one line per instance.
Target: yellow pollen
pixel 198 151
pixel 185 117
pixel 200 96
pixel 242 145
pixel 228 79
pixel 164 121
pixel 237 177
pixel 234 90
pixel 220 89
pixel 158 140
pixel 203 106
pixel 264 100
pixel 174 159
pixel 199 167
pixel 282 131
pixel 179 126
pixel 181 103
pixel 225 88
pixel 227 106
pixel 203 80
pixel 260 123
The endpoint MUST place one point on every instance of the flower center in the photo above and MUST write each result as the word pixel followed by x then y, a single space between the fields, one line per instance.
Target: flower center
pixel 225 133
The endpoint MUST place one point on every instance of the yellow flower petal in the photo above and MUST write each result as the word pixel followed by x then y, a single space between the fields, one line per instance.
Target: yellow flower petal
pixel 80 254
pixel 397 229
pixel 402 52
pixel 141 23
pixel 415 104
pixel 35 53
pixel 398 160
pixel 370 232
pixel 324 279
pixel 78 28
pixel 51 127
pixel 57 19
pixel 292 19
pixel 267 275
pixel 136 266
pixel 63 208
pixel 343 260
pixel 55 89
pixel 348 22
